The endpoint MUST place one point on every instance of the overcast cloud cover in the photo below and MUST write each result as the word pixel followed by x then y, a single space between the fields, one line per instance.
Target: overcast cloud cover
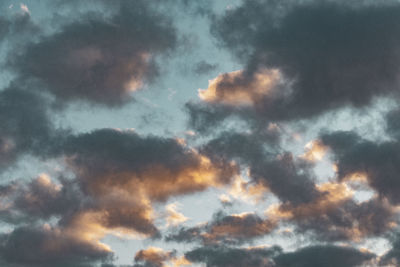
pixel 200 133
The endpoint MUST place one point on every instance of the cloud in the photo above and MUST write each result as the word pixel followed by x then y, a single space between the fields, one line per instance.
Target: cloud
pixel 119 175
pixel 335 215
pixel 24 8
pixel 124 170
pixel 315 151
pixel 174 217
pixel 203 67
pixel 157 257
pixel 325 53
pixel 109 159
pixel 290 179
pixel 48 246
pixel 379 162
pixel 153 257
pixel 322 255
pixel 329 256
pixel 233 257
pixel 39 199
pixel 26 125
pixel 392 256
pixel 226 229
pixel 99 60
pixel 16 27
pixel 227 88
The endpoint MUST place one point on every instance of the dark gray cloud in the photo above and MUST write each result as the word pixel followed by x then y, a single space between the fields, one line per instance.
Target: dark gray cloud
pixel 342 220
pixel 25 124
pixel 290 179
pixel 97 59
pixel 327 211
pixel 330 54
pixel 218 256
pixel 142 169
pixel 379 162
pixel 116 158
pixel 16 27
pixel 322 255
pixel 40 199
pixel 203 67
pixel 49 247
pixel 393 123
pixel 329 256
pixel 225 229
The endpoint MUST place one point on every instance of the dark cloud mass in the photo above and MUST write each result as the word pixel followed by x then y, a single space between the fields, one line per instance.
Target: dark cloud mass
pixel 330 54
pixel 379 162
pixel 99 60
pixel 114 158
pixel 49 247
pixel 25 124
pixel 290 180
pixel 214 256
pixel 329 256
pixel 255 139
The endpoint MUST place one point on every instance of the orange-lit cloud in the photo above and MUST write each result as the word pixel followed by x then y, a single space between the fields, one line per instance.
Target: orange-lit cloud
pixel 246 190
pixel 174 217
pixel 226 229
pixel 357 220
pixel 234 88
pixel 157 257
pixel 237 227
pixel 314 151
pixel 124 191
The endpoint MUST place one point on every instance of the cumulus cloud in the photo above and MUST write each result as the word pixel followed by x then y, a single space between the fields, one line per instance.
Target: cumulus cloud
pixel 119 175
pixel 325 53
pixel 290 179
pixel 335 215
pixel 96 59
pixel 107 159
pixel 300 60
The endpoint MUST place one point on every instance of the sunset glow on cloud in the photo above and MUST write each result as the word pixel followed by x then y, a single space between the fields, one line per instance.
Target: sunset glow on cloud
pixel 287 156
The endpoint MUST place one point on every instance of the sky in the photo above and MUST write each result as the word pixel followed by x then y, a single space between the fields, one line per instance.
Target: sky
pixel 168 133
